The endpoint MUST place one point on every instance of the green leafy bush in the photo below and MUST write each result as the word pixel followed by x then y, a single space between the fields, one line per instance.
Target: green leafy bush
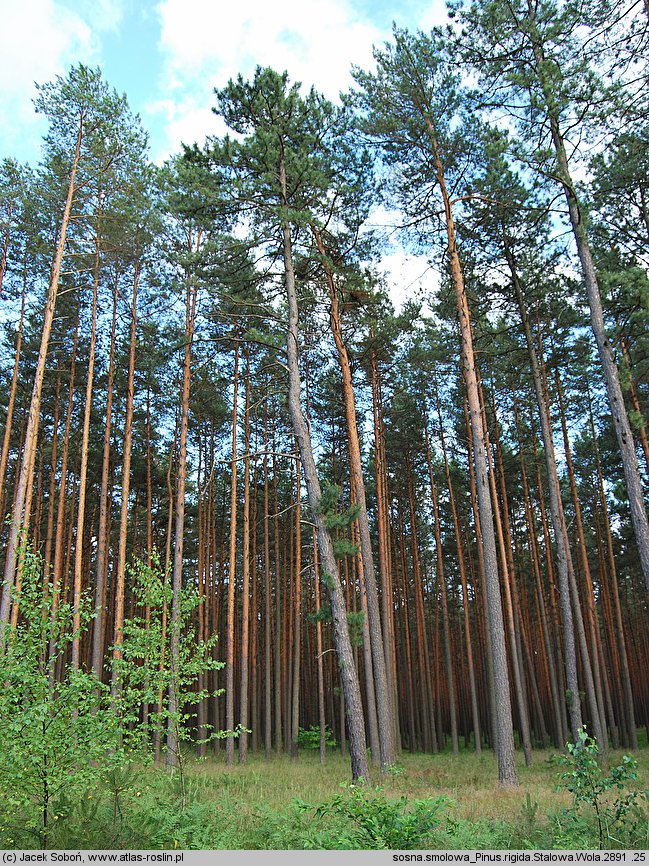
pixel 59 735
pixel 607 809
pixel 309 738
pixel 379 823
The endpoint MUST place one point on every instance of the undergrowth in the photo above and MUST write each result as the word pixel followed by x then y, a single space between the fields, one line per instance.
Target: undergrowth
pixel 428 802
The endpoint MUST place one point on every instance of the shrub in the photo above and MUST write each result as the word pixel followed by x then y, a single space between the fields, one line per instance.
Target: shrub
pixel 59 735
pixel 606 807
pixel 380 823
pixel 309 738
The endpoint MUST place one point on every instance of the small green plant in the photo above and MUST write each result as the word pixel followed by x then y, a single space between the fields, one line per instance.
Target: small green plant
pixel 309 738
pixel 614 806
pixel 380 823
pixel 145 668
pixel 526 831
pixel 59 736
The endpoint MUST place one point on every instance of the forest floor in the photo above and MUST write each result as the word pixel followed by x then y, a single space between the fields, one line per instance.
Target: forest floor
pixel 428 801
pixel 263 804
pixel 466 779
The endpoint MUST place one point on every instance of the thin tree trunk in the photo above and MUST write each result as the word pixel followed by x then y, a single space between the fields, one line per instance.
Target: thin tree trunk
pixel 556 507
pixel 175 624
pixel 277 643
pixel 507 775
pixel 508 578
pixel 232 569
pixel 629 714
pixel 59 541
pixel 120 571
pixel 6 441
pixel 465 593
pixel 387 591
pixel 384 698
pixel 102 531
pixel 480 584
pixel 619 415
pixel 85 440
pixel 425 692
pixel 245 583
pixel 297 636
pixel 348 673
pixel 441 581
pixel 31 433
pixel 268 730
pixel 319 651
pixel 591 609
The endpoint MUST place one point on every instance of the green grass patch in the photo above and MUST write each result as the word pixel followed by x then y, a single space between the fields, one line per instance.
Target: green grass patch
pixel 428 801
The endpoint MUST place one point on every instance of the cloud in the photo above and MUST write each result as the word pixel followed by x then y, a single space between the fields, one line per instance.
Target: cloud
pixel 185 118
pixel 205 43
pixel 315 41
pixel 408 276
pixel 42 38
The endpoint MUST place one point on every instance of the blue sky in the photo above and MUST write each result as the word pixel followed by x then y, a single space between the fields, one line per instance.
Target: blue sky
pixel 168 55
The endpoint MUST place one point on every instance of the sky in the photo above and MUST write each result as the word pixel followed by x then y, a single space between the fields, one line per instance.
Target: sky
pixel 169 55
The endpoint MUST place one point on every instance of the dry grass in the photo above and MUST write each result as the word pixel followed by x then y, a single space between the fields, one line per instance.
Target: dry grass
pixel 469 781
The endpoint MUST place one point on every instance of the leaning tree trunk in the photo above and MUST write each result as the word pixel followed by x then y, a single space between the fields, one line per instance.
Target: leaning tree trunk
pixel 611 373
pixel 384 699
pixel 348 673
pixel 31 433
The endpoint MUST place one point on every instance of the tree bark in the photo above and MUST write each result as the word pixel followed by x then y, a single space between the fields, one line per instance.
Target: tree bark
pixel 175 624
pixel 120 571
pixel 6 440
pixel 348 673
pixel 475 715
pixel 31 433
pixel 102 531
pixel 384 699
pixel 610 371
pixel 556 507
pixel 85 440
pixel 232 571
pixel 507 775
pixel 245 579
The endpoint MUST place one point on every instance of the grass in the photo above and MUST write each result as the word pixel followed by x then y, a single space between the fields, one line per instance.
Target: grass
pixel 469 782
pixel 260 805
pixel 465 778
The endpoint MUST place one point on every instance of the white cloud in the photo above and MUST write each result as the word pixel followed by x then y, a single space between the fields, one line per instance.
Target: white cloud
pixel 407 276
pixel 186 118
pixel 205 43
pixel 315 41
pixel 41 39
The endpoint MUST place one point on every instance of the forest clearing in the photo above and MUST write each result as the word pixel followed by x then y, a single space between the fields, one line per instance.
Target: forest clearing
pixel 254 509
